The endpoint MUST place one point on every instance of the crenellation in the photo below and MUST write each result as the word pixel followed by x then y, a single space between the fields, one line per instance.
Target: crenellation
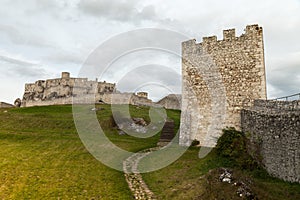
pixel 209 40
pixel 229 34
pixel 65 75
pixel 142 94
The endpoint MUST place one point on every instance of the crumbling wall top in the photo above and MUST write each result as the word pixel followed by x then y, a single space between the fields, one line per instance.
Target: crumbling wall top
pixel 65 75
pixel 228 35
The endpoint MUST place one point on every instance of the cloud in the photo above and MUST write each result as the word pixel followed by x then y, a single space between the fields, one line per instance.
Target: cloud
pixel 57 35
pixel 123 11
pixel 29 38
pixel 15 71
pixel 16 61
pixel 157 80
pixel 17 67
pixel 284 75
pixel 65 57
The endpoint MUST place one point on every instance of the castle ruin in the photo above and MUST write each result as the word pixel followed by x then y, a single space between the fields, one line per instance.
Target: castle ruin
pixel 60 91
pixel 220 77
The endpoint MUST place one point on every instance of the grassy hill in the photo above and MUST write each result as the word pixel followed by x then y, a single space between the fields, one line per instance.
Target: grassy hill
pixel 42 157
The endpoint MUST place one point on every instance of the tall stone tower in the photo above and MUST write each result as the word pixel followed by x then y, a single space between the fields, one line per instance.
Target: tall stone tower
pixel 219 78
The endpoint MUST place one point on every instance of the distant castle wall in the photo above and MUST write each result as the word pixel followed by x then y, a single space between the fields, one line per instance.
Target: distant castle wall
pixel 172 101
pixel 220 74
pixel 273 128
pixel 6 105
pixel 142 94
pixel 61 91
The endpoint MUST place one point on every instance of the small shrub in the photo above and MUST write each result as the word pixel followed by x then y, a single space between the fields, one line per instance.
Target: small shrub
pixel 232 145
pixel 195 143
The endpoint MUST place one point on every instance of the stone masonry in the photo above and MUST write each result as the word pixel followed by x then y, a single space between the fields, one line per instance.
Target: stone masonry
pixel 273 129
pixel 6 105
pixel 60 91
pixel 172 101
pixel 219 78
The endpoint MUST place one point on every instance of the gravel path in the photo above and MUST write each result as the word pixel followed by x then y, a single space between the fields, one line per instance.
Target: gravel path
pixel 134 179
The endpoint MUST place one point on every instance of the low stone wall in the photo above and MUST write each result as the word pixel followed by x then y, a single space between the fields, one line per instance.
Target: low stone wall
pixel 59 101
pixel 273 128
pixel 268 105
pixel 6 105
pixel 107 98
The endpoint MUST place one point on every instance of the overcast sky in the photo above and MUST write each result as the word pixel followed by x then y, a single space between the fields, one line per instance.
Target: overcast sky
pixel 41 38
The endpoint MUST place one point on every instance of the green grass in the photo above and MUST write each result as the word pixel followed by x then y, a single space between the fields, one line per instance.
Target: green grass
pixel 42 157
pixel 193 178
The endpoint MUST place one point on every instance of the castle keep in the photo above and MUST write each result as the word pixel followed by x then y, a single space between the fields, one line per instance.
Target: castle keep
pixel 220 77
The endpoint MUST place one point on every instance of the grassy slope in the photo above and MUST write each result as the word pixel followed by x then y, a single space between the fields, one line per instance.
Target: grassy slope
pixel 193 178
pixel 41 157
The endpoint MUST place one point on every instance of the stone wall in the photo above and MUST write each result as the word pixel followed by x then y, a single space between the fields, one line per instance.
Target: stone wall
pixel 130 98
pixel 62 91
pixel 273 128
pixel 219 77
pixel 142 94
pixel 172 101
pixel 6 105
pixel 39 102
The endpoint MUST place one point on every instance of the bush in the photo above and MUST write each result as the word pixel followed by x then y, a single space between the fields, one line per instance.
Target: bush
pixel 195 143
pixel 232 145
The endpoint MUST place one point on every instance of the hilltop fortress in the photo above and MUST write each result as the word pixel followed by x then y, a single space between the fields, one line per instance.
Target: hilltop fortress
pixel 224 85
pixel 59 91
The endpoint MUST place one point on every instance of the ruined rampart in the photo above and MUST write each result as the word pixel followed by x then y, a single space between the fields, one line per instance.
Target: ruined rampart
pixel 273 128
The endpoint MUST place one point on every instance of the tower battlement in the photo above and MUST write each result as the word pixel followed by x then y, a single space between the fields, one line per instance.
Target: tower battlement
pixel 229 35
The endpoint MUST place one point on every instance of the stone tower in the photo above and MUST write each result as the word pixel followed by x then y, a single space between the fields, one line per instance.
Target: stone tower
pixel 219 78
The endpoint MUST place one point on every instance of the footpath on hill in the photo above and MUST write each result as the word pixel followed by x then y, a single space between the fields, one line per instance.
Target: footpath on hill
pixel 134 179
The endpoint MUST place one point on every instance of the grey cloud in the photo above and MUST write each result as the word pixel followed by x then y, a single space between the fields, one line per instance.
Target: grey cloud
pixel 117 10
pixel 16 61
pixel 152 73
pixel 29 72
pixel 20 68
pixel 284 77
pixel 23 38
pixel 29 29
pixel 66 57
pixel 158 80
